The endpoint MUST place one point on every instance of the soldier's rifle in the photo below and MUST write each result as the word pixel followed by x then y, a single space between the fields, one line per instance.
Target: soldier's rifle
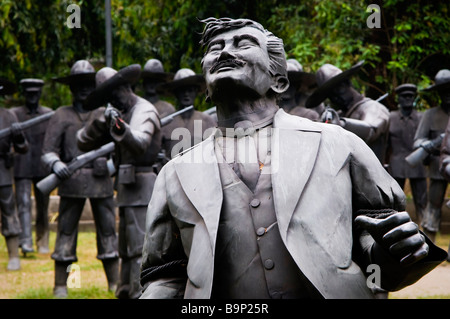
pixel 52 181
pixel 27 124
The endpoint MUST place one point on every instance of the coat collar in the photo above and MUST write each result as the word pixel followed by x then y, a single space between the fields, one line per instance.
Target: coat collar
pixel 293 138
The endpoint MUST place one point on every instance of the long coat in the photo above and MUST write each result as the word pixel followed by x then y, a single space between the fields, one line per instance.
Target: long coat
pixel 316 197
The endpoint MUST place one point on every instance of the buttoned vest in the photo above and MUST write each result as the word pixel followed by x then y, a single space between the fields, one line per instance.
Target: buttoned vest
pixel 251 261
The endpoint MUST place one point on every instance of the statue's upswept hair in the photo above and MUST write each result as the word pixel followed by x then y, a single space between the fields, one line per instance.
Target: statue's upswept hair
pixel 275 46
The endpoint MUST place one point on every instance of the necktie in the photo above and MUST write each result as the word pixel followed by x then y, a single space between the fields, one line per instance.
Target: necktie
pixel 247 161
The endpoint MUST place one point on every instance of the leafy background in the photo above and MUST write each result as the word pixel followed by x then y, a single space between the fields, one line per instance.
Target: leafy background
pixel 412 44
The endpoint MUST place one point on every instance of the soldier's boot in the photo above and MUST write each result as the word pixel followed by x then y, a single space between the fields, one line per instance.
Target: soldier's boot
pixel 42 243
pixel 111 267
pixel 26 239
pixel 12 244
pixel 61 275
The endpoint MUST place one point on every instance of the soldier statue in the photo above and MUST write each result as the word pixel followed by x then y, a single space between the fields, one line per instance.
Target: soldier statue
pixel 91 181
pixel 403 124
pixel 153 75
pixel 185 86
pixel 300 82
pixel 359 114
pixel 429 136
pixel 273 205
pixel 28 170
pixel 133 124
pixel 11 227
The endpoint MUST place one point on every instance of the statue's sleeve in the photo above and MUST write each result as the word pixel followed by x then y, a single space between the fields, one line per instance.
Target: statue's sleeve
pixel 444 158
pixel 51 149
pixel 376 192
pixel 139 131
pixel 163 267
pixel 422 132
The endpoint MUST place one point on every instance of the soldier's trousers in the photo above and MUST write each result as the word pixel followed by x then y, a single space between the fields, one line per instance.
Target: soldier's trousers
pixel 23 200
pixel 10 217
pixel 419 194
pixel 436 193
pixel 70 210
pixel 131 241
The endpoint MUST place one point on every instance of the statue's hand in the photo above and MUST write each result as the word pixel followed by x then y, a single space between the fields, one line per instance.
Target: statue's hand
pixel 398 235
pixel 330 116
pixel 17 133
pixel 61 170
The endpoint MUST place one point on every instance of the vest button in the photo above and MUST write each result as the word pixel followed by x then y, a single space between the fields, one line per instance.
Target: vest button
pixel 255 203
pixel 260 231
pixel 269 264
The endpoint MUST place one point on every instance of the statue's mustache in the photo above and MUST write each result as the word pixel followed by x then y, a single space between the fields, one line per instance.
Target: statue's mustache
pixel 229 62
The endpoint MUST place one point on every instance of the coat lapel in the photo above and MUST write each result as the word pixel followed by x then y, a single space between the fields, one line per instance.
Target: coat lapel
pixel 295 143
pixel 199 177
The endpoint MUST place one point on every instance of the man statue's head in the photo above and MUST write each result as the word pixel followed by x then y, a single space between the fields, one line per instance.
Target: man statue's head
pixel 406 95
pixel 242 58
pixel 32 90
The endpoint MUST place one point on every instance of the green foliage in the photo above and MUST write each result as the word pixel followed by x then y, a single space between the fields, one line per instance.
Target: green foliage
pixel 411 46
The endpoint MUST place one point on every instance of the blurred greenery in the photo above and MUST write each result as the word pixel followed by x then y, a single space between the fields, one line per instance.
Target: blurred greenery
pixel 412 44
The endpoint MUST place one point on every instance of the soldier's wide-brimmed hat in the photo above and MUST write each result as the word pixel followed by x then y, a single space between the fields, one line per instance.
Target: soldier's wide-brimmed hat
pixel 30 84
pixel 328 77
pixel 406 87
pixel 183 77
pixel 304 81
pixel 153 69
pixel 441 81
pixel 81 71
pixel 106 80
pixel 7 87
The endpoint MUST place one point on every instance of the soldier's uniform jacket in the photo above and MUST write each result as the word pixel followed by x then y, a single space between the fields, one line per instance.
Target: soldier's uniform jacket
pixel 377 116
pixel 135 153
pixel 60 143
pixel 29 165
pixel 402 130
pixel 7 118
pixel 433 123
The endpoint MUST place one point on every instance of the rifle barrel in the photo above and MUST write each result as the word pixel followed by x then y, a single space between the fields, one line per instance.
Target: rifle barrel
pixel 27 124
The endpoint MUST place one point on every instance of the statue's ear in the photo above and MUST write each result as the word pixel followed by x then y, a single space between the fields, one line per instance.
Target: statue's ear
pixel 280 84
pixel 207 98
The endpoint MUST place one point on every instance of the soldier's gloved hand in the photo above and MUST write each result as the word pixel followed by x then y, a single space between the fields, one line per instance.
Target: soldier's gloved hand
pixel 61 170
pixel 398 235
pixel 433 145
pixel 17 133
pixel 330 116
pixel 114 121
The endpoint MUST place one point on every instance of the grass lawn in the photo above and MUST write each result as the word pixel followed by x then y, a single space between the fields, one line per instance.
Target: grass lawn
pixel 35 279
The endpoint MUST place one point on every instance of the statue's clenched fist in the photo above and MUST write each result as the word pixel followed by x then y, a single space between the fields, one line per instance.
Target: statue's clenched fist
pixel 398 235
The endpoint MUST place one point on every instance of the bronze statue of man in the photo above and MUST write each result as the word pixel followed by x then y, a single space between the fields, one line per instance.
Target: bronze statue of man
pixel 11 227
pixel 185 86
pixel 428 136
pixel 133 124
pixel 361 115
pixel 300 82
pixel 403 124
pixel 273 205
pixel 92 181
pixel 28 169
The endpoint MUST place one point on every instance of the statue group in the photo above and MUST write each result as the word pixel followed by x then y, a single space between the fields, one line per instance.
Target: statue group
pixel 273 193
